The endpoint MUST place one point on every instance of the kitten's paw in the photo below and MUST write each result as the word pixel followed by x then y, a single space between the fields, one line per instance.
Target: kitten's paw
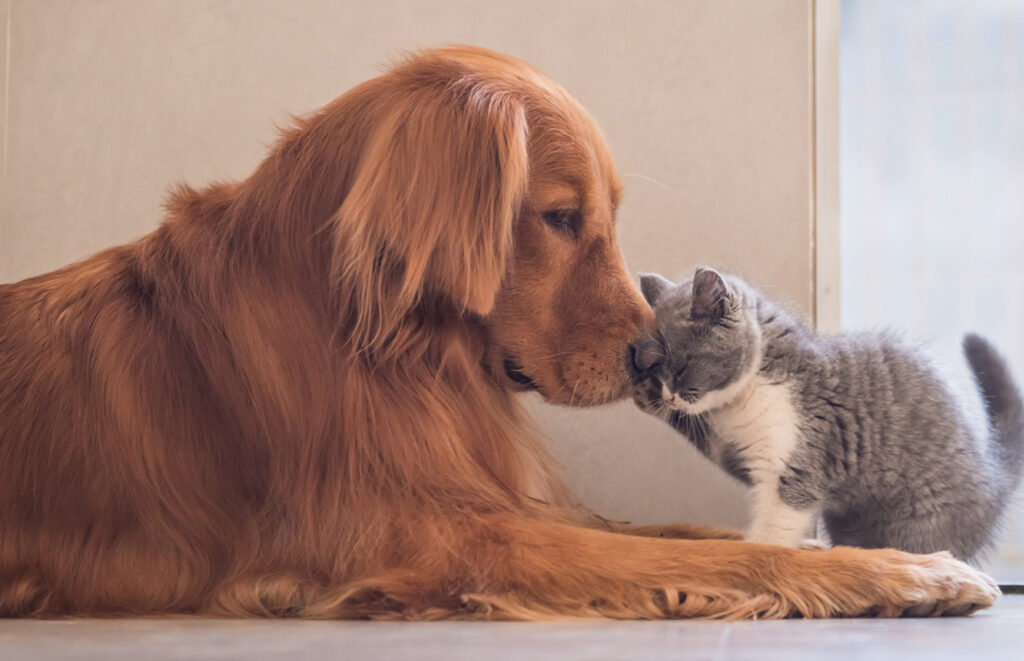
pixel 813 545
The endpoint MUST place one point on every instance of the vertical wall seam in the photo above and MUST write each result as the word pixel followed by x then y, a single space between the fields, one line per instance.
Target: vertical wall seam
pixel 4 201
pixel 813 86
pixel 824 163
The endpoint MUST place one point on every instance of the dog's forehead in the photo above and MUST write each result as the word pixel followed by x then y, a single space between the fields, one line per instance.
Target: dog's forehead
pixel 570 163
pixel 550 193
pixel 606 168
pixel 605 178
pixel 588 191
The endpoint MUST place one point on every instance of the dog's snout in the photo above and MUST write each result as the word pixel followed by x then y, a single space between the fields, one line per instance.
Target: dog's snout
pixel 644 356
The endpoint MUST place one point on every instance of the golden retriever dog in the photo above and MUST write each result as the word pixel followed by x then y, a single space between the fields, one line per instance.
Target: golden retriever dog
pixel 298 396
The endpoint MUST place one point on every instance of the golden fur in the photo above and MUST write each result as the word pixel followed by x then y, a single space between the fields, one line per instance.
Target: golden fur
pixel 291 398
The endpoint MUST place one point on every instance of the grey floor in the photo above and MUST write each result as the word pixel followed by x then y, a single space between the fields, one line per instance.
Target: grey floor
pixel 997 633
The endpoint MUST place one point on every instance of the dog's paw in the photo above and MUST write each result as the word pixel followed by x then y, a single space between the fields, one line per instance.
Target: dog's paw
pixel 950 587
pixel 851 582
pixel 912 585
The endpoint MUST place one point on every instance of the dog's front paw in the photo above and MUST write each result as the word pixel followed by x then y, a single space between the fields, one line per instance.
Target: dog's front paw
pixel 960 589
pixel 892 583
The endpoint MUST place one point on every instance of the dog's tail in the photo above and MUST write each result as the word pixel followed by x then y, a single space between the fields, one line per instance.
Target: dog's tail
pixel 1005 410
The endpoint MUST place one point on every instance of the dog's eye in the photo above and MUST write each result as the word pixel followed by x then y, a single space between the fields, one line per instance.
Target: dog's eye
pixel 564 220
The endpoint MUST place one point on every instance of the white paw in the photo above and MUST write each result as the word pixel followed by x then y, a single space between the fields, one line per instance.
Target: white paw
pixel 813 545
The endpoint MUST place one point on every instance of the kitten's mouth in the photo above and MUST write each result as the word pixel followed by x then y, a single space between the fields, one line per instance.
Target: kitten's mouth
pixel 514 371
pixel 683 402
pixel 688 406
pixel 652 395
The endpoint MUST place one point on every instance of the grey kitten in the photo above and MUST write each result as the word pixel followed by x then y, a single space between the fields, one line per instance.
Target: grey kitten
pixel 857 428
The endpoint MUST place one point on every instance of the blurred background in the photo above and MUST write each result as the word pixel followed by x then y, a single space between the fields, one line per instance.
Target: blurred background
pixel 932 183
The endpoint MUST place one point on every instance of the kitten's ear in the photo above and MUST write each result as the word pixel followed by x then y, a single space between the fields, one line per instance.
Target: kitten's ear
pixel 711 296
pixel 653 286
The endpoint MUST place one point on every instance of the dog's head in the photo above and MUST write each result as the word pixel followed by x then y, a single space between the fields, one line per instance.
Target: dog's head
pixel 481 186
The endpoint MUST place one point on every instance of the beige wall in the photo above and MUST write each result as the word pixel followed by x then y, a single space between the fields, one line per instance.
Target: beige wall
pixel 707 106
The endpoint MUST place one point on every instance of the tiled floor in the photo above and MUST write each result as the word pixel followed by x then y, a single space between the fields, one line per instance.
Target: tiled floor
pixel 997 633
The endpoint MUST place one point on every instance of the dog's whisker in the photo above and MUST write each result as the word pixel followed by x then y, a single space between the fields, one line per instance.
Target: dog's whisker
pixel 556 355
pixel 646 178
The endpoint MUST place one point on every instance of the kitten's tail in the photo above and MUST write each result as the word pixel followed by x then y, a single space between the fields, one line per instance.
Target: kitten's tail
pixel 1004 406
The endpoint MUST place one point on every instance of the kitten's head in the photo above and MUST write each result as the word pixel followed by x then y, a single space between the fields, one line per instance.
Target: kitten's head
pixel 711 338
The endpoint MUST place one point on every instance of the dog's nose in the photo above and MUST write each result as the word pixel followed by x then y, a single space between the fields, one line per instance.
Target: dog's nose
pixel 645 355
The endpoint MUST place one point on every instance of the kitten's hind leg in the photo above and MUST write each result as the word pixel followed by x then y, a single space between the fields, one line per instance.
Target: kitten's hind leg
pixel 775 522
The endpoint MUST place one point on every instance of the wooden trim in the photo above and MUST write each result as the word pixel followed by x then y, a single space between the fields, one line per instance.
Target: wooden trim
pixel 825 189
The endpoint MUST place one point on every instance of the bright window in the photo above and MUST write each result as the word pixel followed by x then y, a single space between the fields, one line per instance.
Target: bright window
pixel 932 184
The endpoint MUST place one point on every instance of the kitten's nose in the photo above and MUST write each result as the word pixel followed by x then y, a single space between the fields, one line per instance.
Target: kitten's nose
pixel 645 355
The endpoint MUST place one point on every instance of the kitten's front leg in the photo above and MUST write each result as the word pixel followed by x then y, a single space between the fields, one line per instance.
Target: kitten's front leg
pixel 775 522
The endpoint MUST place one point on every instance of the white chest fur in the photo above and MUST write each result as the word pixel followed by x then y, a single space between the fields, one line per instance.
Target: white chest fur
pixel 762 425
pixel 761 422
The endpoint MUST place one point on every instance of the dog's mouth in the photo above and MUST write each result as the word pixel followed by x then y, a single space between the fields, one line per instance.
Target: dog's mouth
pixel 514 371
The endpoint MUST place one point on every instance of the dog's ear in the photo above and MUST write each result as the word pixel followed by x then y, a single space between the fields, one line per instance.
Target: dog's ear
pixel 442 175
